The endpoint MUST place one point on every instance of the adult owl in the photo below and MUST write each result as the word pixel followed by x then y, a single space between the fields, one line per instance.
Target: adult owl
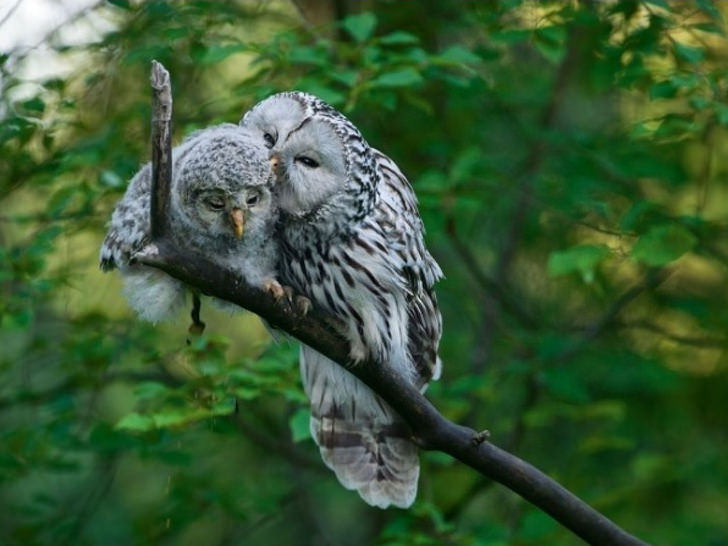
pixel 352 241
pixel 220 205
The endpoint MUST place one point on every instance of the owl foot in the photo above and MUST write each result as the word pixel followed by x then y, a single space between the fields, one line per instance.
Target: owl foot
pixel 480 437
pixel 301 304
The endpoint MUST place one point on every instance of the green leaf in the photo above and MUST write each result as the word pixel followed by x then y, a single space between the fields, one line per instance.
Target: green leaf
pixel 709 7
pixel 721 112
pixel 215 54
pixel 398 78
pixel 150 389
pixel 458 55
pixel 465 164
pixel 663 90
pixel 299 424
pixel 550 42
pixel 308 55
pixel 124 4
pixel 565 383
pixel 313 86
pixel 699 103
pixel 663 244
pixel 135 422
pixel 347 77
pixel 689 53
pixel 361 26
pixel 535 526
pixel 636 213
pixel 247 393
pixel 511 36
pixel 581 259
pixel 164 419
pixel 399 37
pixel 34 105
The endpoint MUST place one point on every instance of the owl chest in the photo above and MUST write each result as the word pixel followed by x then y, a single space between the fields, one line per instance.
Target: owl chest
pixel 346 285
pixel 322 280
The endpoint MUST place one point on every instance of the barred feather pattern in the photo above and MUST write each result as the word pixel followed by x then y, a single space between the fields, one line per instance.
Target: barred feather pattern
pixel 223 160
pixel 359 253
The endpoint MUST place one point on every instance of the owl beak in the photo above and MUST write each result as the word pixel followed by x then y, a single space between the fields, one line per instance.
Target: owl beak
pixel 274 162
pixel 238 219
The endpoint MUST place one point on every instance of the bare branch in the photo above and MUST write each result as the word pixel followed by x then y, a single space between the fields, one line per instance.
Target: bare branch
pixel 10 12
pixel 161 148
pixel 429 428
pixel 653 279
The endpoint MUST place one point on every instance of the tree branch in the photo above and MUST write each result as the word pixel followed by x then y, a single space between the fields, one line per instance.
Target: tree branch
pixel 161 148
pixel 429 428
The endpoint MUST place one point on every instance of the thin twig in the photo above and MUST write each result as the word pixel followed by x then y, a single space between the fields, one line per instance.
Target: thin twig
pixel 524 183
pixel 695 341
pixel 653 279
pixel 10 12
pixel 270 444
pixel 486 282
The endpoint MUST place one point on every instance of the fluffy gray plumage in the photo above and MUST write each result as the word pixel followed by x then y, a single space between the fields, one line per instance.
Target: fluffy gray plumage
pixel 352 240
pixel 221 182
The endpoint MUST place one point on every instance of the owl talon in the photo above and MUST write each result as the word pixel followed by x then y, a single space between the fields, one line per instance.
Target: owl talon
pixel 288 291
pixel 274 288
pixel 303 305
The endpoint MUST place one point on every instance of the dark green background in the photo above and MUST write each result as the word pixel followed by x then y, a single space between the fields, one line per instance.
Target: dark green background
pixel 571 163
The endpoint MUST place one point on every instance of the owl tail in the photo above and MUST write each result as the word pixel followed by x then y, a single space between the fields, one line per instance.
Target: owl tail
pixel 360 437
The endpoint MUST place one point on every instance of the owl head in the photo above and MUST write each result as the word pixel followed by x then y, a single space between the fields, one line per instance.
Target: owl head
pixel 221 186
pixel 320 158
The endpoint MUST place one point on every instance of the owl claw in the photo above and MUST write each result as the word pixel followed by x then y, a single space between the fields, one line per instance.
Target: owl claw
pixel 303 305
pixel 288 291
pixel 274 288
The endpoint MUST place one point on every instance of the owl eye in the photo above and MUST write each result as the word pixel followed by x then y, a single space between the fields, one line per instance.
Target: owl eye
pixel 307 161
pixel 269 140
pixel 216 203
pixel 252 200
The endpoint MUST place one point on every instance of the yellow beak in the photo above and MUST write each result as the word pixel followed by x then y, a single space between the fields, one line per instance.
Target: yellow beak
pixel 238 218
pixel 274 163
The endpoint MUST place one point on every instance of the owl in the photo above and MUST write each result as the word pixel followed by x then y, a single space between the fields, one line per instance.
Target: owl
pixel 220 205
pixel 351 240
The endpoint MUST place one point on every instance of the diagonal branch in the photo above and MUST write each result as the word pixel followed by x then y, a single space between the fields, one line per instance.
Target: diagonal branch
pixel 429 428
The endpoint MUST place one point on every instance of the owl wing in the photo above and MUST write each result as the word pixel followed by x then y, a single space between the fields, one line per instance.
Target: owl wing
pixel 400 221
pixel 129 227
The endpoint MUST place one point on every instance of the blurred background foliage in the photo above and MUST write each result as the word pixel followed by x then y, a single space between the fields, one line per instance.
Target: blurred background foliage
pixel 571 163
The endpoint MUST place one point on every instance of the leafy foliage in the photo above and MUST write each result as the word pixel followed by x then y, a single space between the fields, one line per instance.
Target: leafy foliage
pixel 570 163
